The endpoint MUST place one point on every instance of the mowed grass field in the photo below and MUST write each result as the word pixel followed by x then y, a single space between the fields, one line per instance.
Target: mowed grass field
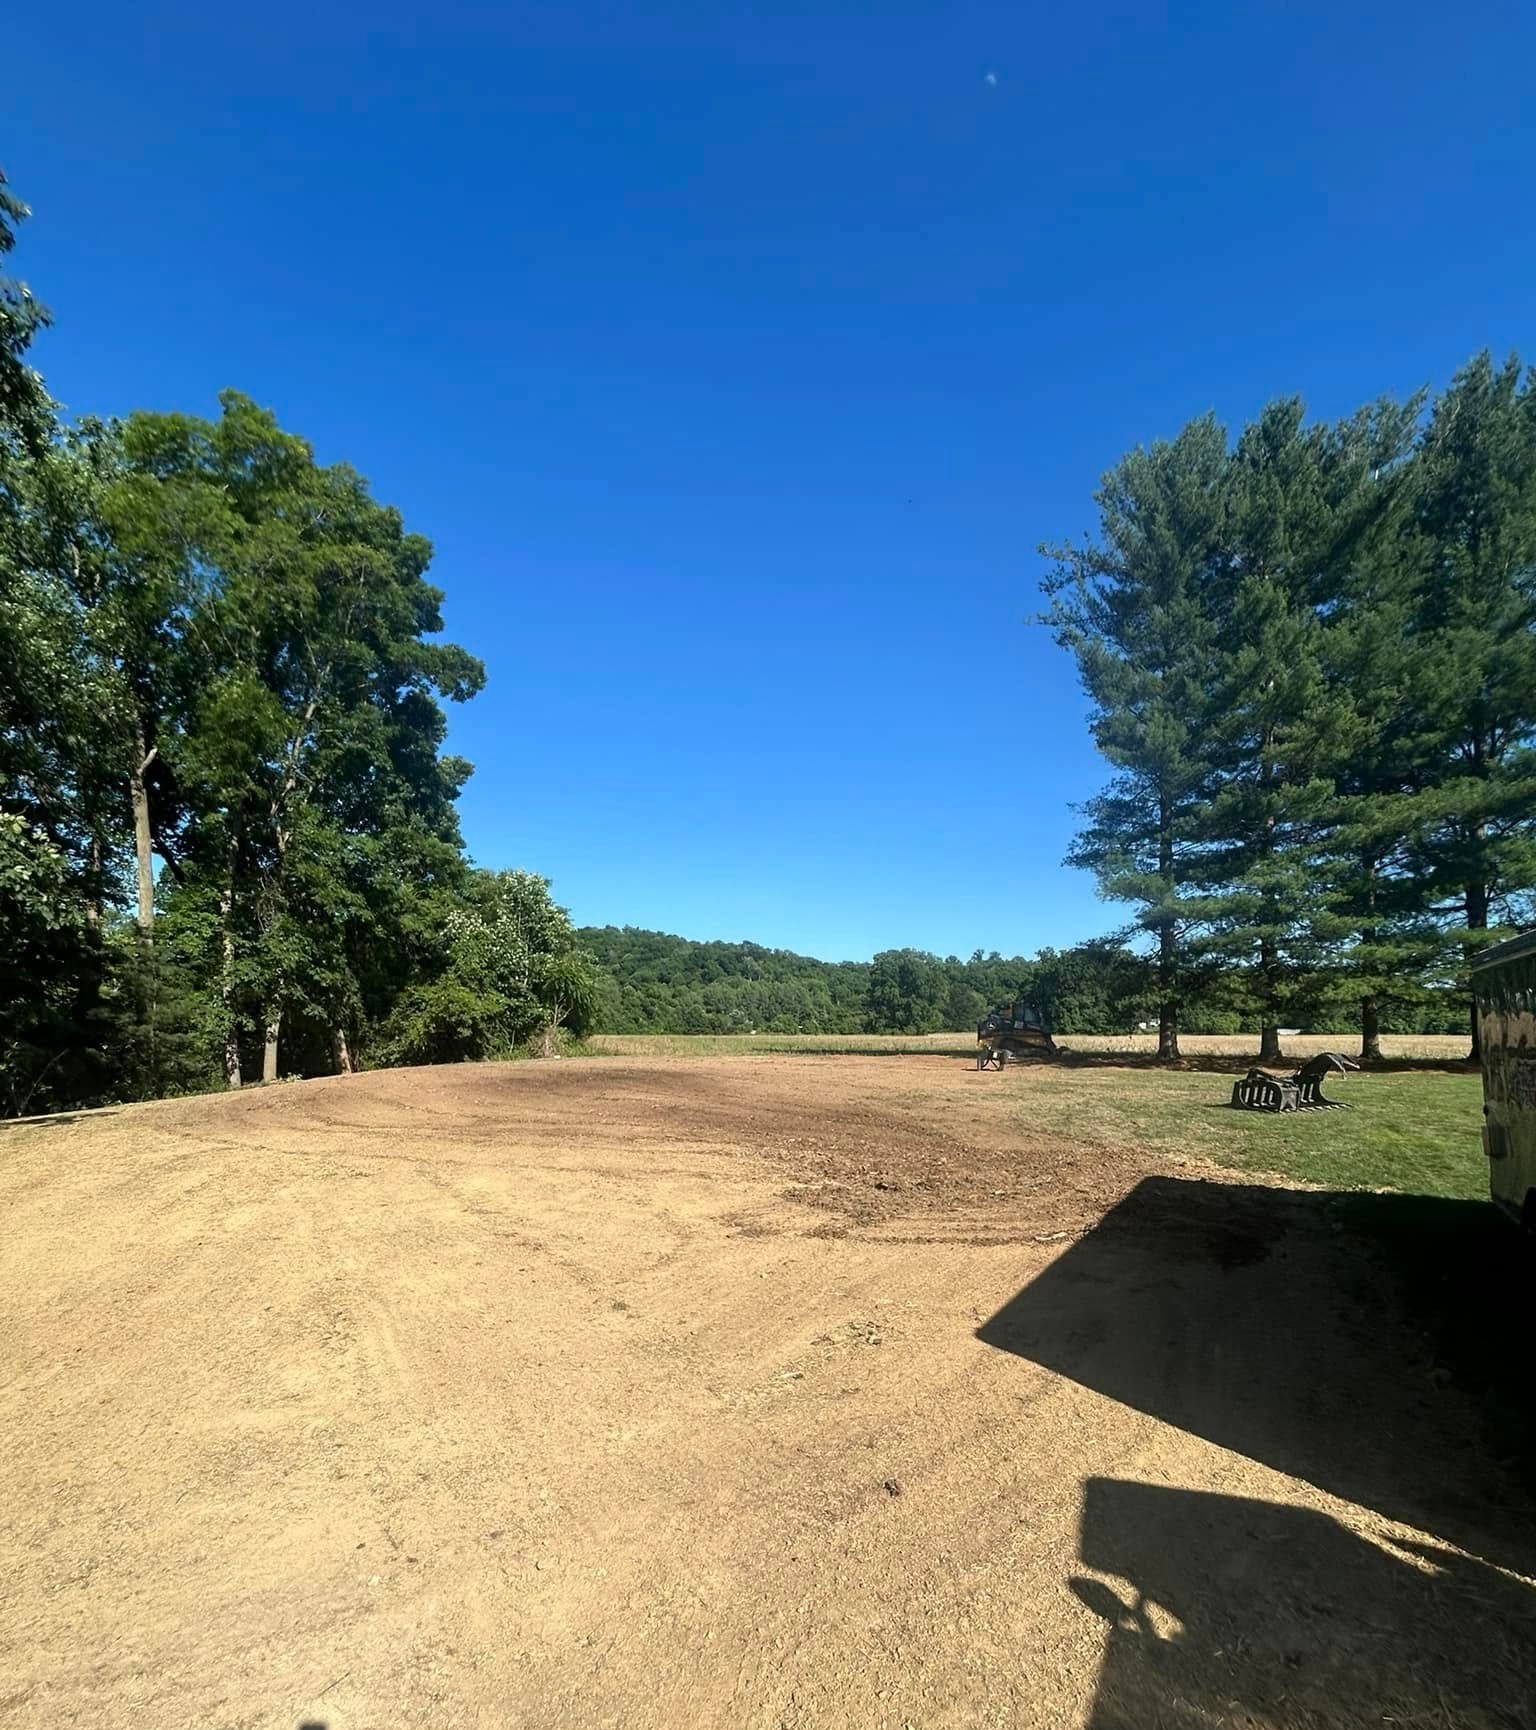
pixel 1413 1125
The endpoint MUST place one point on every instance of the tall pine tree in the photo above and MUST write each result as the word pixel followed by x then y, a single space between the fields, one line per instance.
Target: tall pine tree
pixel 1135 609
pixel 1368 600
pixel 1475 666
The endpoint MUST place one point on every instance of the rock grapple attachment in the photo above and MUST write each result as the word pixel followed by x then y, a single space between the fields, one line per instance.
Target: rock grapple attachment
pixel 1301 1090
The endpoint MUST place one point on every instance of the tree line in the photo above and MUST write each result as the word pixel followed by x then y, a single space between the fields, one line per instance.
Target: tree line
pixel 228 838
pixel 1310 661
pixel 652 982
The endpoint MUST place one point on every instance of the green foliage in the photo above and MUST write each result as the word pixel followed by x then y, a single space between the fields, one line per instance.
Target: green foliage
pixel 444 1021
pixel 1098 988
pixel 25 411
pixel 510 969
pixel 906 993
pixel 1134 609
pixel 1474 679
pixel 220 706
pixel 158 1033
pixel 50 955
pixel 1311 657
pixel 565 983
pixel 47 972
pixel 649 982
pixel 291 698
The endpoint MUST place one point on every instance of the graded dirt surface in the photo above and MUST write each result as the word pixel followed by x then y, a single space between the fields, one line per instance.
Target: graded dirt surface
pixel 752 1391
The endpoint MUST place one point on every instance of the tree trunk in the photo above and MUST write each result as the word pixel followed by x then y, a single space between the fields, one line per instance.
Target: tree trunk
pixel 343 1051
pixel 143 846
pixel 1168 1033
pixel 232 1077
pixel 88 991
pixel 1269 1032
pixel 274 1020
pixel 1167 960
pixel 1269 957
pixel 1477 920
pixel 1477 891
pixel 93 892
pixel 1370 1018
pixel 278 814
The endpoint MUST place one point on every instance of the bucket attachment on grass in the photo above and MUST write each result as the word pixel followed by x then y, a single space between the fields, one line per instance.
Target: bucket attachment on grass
pixel 1301 1090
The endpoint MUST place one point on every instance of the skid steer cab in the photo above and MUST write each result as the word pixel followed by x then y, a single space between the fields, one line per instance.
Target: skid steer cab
pixel 1011 1031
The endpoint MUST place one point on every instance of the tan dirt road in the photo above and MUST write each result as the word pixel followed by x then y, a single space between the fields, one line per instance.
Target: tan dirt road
pixel 768 1392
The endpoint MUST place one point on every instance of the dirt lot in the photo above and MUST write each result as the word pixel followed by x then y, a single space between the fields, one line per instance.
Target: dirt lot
pixel 757 1391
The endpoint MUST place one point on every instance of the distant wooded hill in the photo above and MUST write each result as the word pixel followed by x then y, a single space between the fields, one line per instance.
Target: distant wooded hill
pixel 653 982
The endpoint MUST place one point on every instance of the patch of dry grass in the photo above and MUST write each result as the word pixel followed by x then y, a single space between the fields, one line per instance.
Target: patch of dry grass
pixel 1432 1047
pixel 806 1044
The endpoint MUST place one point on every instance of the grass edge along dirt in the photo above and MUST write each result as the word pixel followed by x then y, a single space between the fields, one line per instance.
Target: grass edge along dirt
pixel 1408 1128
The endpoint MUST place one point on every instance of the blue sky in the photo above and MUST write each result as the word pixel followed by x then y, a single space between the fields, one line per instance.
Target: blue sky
pixel 736 359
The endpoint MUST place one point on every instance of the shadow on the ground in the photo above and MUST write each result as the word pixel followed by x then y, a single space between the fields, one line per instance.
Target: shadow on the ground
pixel 1230 1611
pixel 1378 1347
pixel 1361 1342
pixel 57 1119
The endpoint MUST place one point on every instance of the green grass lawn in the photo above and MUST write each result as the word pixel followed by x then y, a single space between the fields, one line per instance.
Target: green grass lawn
pixel 1417 1131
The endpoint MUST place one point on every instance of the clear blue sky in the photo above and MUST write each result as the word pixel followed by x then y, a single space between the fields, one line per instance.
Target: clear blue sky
pixel 737 358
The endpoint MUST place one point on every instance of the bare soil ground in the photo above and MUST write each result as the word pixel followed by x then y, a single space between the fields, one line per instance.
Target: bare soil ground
pixel 776 1391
